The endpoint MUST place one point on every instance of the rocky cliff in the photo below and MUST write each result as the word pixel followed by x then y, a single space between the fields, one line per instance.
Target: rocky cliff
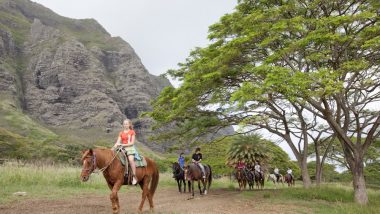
pixel 71 74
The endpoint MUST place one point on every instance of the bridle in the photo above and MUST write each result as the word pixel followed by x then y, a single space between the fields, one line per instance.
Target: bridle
pixel 177 170
pixel 93 165
pixel 92 168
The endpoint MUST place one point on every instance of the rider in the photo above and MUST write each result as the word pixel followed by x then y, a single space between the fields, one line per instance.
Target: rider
pixel 181 160
pixel 126 139
pixel 240 164
pixel 258 168
pixel 196 159
pixel 289 171
pixel 277 173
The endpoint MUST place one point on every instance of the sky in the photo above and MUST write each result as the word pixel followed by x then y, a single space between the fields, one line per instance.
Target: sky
pixel 162 32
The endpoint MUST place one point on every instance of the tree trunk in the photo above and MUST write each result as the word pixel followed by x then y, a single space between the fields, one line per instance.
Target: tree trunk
pixel 305 174
pixel 360 190
pixel 318 174
pixel 318 165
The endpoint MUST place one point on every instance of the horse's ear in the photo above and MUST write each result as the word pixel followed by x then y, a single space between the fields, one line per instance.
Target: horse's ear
pixel 90 152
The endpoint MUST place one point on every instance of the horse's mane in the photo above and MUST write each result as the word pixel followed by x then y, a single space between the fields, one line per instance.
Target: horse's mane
pixel 100 147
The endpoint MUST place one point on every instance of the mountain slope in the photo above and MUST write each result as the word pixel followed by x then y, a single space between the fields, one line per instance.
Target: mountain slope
pixel 71 75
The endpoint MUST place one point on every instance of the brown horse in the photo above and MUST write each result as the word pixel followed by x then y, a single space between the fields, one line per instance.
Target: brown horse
pixel 239 174
pixel 113 172
pixel 259 179
pixel 290 180
pixel 179 176
pixel 194 173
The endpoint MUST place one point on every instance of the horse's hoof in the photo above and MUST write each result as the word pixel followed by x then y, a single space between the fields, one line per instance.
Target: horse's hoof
pixel 205 192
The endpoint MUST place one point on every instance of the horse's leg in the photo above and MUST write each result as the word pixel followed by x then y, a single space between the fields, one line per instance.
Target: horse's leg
pixel 114 198
pixel 204 182
pixel 179 184
pixel 192 187
pixel 145 191
pixel 199 187
pixel 189 185
pixel 184 185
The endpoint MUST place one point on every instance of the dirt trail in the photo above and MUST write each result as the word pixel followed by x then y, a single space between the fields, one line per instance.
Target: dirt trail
pixel 166 201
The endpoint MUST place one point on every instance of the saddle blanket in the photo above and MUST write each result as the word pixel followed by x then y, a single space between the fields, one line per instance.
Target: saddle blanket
pixel 140 162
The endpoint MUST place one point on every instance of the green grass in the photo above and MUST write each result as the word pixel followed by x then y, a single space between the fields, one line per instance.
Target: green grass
pixel 60 181
pixel 15 120
pixel 45 181
pixel 56 181
pixel 329 198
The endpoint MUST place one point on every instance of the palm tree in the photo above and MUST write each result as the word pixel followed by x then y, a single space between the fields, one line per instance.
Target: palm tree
pixel 248 148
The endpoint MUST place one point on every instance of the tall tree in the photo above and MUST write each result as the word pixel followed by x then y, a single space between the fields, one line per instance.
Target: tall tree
pixel 315 55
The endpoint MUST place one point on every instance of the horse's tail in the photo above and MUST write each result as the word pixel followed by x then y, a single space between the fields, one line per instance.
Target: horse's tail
pixel 209 178
pixel 155 178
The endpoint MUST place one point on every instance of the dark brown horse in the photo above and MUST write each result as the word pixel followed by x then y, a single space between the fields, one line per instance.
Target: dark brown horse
pixel 250 177
pixel 240 177
pixel 194 173
pixel 179 176
pixel 289 180
pixel 113 172
pixel 259 179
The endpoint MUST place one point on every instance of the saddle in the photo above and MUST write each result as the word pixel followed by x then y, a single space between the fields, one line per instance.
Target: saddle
pixel 140 162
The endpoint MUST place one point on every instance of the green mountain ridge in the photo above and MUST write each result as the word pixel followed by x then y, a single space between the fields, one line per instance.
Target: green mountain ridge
pixel 45 59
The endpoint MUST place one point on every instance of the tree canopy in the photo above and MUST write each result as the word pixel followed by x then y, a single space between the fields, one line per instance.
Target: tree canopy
pixel 274 62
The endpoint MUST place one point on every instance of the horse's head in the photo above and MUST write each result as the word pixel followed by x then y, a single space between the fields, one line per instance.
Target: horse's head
pixel 176 168
pixel 238 173
pixel 186 170
pixel 88 164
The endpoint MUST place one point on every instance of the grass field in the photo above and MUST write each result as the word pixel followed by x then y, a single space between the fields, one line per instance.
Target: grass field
pixel 59 182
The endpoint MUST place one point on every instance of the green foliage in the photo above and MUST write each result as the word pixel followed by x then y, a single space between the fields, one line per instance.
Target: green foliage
pixel 249 149
pixel 372 174
pixel 290 56
pixel 215 154
pixel 15 120
pixel 328 175
pixel 17 25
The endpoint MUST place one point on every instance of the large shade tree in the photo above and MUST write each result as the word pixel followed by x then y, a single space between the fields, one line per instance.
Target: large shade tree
pixel 315 56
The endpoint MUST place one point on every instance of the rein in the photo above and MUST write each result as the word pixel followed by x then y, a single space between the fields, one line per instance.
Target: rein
pixel 93 167
pixel 179 170
pixel 104 168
